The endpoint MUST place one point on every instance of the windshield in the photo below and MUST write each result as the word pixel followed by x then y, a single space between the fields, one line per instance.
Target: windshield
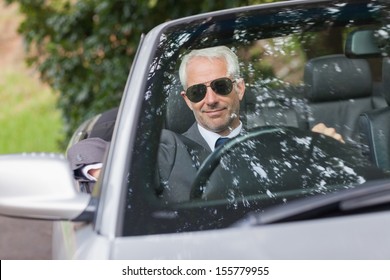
pixel 292 75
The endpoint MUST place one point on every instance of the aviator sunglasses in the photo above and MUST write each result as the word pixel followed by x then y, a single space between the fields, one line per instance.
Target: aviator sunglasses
pixel 221 86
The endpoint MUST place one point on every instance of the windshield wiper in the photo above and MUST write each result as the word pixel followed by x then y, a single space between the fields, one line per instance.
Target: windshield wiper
pixel 369 196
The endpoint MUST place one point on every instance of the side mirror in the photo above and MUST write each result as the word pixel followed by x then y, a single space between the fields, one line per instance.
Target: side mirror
pixel 41 187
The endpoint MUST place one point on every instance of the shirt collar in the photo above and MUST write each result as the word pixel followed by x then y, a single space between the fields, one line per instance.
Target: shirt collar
pixel 212 137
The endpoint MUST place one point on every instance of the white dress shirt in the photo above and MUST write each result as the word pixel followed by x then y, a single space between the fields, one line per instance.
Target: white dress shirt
pixel 212 137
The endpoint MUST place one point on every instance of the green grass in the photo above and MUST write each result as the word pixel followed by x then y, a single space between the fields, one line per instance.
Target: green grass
pixel 29 119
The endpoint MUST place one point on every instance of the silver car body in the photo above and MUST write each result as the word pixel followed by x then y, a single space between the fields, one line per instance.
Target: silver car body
pixel 89 226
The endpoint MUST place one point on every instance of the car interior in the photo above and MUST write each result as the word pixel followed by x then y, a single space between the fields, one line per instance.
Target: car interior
pixel 348 95
pixel 343 86
pixel 293 81
pixel 338 90
pixel 332 83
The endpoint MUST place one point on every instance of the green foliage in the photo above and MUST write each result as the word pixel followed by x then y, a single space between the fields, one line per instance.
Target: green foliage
pixel 84 49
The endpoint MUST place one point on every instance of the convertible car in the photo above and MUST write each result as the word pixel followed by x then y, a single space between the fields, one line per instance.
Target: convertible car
pixel 277 191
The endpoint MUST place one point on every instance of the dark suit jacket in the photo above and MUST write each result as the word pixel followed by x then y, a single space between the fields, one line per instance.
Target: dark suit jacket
pixel 179 159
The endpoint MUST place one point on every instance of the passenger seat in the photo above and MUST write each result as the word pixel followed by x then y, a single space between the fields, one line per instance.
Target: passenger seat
pixel 375 125
pixel 338 90
pixel 276 107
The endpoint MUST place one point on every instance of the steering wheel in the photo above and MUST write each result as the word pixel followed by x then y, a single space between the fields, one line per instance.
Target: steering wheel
pixel 273 160
pixel 213 160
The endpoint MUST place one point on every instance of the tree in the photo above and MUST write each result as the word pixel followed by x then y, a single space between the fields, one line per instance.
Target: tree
pixel 84 49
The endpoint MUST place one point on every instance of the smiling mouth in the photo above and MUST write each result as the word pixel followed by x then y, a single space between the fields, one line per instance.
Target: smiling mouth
pixel 214 111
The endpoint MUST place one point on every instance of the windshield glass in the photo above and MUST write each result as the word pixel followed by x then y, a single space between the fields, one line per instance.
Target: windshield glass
pixel 292 80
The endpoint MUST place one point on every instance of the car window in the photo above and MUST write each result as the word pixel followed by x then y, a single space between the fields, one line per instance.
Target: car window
pixel 296 75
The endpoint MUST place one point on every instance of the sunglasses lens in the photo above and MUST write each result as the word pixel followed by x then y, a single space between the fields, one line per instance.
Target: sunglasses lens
pixel 196 93
pixel 222 86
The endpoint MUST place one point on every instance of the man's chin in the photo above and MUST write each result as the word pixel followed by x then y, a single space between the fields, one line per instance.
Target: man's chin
pixel 220 129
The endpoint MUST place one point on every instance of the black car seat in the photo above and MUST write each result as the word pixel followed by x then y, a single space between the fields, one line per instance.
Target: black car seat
pixel 104 125
pixel 338 90
pixel 273 107
pixel 178 117
pixel 375 125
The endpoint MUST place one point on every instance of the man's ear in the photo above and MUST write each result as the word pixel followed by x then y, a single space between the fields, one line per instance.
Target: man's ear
pixel 188 102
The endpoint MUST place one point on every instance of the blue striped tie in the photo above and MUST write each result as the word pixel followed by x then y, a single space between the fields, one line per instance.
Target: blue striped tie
pixel 221 141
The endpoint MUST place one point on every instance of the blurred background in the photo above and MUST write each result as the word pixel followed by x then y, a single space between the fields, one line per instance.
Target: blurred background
pixel 29 117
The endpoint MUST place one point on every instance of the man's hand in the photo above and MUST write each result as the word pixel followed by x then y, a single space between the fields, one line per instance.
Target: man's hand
pixel 328 131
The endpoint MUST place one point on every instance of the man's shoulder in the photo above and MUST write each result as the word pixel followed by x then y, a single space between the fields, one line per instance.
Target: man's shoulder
pixel 167 134
pixel 192 131
pixel 170 134
pixel 188 140
pixel 174 137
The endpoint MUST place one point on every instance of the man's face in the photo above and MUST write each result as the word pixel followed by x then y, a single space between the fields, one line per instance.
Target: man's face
pixel 214 112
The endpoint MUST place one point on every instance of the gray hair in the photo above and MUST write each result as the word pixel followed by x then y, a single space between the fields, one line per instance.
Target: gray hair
pixel 233 68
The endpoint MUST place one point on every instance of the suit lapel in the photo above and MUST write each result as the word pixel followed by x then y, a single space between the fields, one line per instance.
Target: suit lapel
pixel 194 134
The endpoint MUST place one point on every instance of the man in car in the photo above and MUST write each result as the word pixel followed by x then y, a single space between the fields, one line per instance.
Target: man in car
pixel 213 90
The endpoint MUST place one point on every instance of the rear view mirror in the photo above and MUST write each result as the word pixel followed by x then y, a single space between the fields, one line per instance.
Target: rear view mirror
pixel 362 43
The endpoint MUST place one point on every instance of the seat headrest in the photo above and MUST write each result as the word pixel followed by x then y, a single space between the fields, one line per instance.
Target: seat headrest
pixel 104 126
pixel 386 79
pixel 178 117
pixel 337 77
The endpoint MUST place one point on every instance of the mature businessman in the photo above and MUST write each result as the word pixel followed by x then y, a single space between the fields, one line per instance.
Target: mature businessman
pixel 213 90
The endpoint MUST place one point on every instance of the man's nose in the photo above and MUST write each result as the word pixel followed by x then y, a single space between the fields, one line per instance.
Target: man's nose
pixel 211 97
